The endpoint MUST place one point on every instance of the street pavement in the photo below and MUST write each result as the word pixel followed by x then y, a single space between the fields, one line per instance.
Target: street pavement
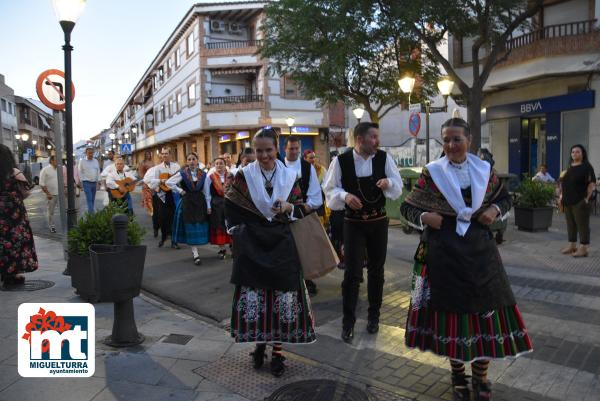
pixel 558 295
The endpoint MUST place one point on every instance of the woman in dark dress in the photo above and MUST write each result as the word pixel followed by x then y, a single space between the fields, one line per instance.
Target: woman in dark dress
pixel 17 249
pixel 190 225
pixel 577 185
pixel 214 191
pixel 270 303
pixel 462 306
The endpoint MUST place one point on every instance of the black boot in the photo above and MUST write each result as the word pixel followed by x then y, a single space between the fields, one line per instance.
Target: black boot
pixel 460 388
pixel 277 366
pixel 482 391
pixel 258 356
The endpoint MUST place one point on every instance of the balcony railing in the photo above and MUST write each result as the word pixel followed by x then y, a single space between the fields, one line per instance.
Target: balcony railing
pixel 233 44
pixel 235 99
pixel 552 31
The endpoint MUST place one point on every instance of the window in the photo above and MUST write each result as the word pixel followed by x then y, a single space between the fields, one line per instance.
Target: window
pixel 161 75
pixel 191 94
pixel 177 58
pixel 4 105
pixel 179 102
pixel 291 89
pixel 169 66
pixel 190 44
pixel 162 113
pixel 170 108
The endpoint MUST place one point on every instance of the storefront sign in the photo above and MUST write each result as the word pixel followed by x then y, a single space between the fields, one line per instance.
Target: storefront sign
pixel 571 101
pixel 304 131
pixel 242 135
pixel 224 138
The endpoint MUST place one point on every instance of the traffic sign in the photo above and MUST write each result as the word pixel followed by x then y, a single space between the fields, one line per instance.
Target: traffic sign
pixel 50 88
pixel 414 124
pixel 414 107
pixel 125 148
pixel 30 151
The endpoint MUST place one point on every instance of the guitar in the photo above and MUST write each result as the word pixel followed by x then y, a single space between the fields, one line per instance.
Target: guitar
pixel 126 185
pixel 165 177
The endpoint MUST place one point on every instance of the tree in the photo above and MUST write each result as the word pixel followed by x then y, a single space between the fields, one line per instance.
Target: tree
pixel 343 50
pixel 490 23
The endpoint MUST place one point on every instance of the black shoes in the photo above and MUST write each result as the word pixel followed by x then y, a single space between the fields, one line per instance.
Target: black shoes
pixel 156 233
pixel 460 388
pixel 277 366
pixel 373 326
pixel 222 254
pixel 482 391
pixel 175 246
pixel 348 334
pixel 311 287
pixel 197 261
pixel 258 356
pixel 161 243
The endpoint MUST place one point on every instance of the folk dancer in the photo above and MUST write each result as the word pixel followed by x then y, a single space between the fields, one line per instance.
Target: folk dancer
pixel 309 184
pixel 361 179
pixel 462 306
pixel 270 303
pixel 165 204
pixel 190 225
pixel 214 191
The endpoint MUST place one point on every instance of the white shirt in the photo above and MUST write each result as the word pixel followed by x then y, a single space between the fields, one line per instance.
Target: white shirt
pixel 543 177
pixel 113 176
pixel 174 181
pixel 313 195
pixel 49 179
pixel 111 168
pixel 152 177
pixel 207 183
pixel 332 184
pixel 89 170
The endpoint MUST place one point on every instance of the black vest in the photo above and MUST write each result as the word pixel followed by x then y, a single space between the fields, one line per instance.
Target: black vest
pixel 364 188
pixel 305 180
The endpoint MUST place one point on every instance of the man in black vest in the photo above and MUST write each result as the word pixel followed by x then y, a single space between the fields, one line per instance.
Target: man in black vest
pixel 309 184
pixel 360 180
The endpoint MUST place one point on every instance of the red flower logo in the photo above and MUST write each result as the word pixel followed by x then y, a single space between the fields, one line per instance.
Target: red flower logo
pixel 44 321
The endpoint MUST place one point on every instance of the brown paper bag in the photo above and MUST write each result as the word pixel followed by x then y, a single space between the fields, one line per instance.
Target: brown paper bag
pixel 317 255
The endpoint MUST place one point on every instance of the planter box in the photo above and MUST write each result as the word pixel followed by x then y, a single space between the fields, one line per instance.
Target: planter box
pixel 117 271
pixel 533 219
pixel 82 279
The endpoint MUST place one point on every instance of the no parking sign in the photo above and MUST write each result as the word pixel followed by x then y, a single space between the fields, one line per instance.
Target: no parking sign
pixel 414 124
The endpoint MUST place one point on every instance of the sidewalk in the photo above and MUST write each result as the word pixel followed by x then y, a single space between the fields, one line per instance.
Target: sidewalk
pixel 183 358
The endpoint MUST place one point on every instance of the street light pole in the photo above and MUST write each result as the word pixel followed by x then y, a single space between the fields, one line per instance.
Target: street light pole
pixel 427 107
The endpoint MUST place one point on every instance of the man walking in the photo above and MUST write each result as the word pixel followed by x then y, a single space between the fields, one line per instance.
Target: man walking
pixel 309 184
pixel 360 180
pixel 89 174
pixel 49 184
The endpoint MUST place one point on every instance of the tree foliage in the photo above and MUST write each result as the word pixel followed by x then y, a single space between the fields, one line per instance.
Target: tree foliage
pixel 344 50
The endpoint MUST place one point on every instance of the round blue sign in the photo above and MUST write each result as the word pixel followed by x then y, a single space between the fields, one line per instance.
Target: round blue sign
pixel 414 124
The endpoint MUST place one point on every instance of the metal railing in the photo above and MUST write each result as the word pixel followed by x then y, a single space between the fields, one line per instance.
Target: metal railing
pixel 235 99
pixel 233 44
pixel 552 31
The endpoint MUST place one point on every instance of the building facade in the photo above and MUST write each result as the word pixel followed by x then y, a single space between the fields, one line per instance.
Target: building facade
pixel 35 120
pixel 543 98
pixel 207 91
pixel 8 116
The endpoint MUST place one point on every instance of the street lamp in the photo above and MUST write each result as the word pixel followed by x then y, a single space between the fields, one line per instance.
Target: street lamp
pixel 67 13
pixel 49 147
pixel 358 113
pixel 25 137
pixel 445 86
pixel 18 137
pixel 290 123
pixel 406 85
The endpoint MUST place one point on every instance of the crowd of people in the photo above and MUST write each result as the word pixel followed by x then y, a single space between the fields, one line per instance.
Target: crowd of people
pixel 462 306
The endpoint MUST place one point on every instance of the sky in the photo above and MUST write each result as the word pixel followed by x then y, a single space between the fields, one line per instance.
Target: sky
pixel 114 43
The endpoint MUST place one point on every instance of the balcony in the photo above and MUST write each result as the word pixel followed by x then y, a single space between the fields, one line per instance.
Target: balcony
pixel 234 103
pixel 235 99
pixel 233 44
pixel 552 31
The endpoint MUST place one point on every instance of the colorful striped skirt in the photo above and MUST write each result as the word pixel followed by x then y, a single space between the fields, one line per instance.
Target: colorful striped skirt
pixel 219 236
pixel 188 233
pixel 260 315
pixel 462 336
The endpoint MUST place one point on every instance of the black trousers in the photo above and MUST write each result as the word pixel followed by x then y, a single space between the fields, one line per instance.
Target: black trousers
pixel 336 223
pixel 166 214
pixel 368 238
pixel 578 222
pixel 155 212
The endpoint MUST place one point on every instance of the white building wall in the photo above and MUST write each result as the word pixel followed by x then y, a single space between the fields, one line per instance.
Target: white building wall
pixel 232 61
pixel 233 118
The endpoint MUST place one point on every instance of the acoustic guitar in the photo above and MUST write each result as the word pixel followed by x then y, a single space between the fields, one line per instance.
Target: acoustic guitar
pixel 165 177
pixel 126 185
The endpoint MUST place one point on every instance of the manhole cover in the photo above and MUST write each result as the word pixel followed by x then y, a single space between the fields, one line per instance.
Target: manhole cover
pixel 29 285
pixel 319 390
pixel 181 339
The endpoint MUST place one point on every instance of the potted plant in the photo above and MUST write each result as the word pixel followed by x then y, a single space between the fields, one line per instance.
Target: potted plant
pixel 95 228
pixel 533 205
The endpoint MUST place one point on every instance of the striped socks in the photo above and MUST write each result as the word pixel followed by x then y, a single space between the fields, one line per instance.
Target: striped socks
pixel 479 370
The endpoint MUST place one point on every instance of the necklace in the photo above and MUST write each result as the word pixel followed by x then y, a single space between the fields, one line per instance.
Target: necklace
pixel 269 181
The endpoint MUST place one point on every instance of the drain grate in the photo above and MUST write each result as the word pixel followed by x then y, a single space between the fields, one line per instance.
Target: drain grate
pixel 29 285
pixel 181 339
pixel 319 390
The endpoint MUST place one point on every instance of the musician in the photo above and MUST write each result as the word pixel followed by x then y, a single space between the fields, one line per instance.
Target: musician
pixel 148 200
pixel 361 179
pixel 166 205
pixel 113 176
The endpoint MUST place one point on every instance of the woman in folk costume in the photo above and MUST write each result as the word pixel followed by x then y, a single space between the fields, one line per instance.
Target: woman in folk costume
pixel 190 225
pixel 214 191
pixel 270 304
pixel 462 306
pixel 323 211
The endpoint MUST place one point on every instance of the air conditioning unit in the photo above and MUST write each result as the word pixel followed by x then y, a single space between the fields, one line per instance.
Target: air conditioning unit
pixel 217 26
pixel 235 29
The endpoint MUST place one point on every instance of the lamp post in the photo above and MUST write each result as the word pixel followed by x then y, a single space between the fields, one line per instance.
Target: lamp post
pixel 445 86
pixel 290 123
pixel 112 137
pixel 67 13
pixel 358 113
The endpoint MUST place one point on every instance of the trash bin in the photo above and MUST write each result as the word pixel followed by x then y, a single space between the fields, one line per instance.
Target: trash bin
pixel 117 271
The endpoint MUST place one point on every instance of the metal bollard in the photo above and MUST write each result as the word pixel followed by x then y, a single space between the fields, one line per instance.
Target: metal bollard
pixel 124 333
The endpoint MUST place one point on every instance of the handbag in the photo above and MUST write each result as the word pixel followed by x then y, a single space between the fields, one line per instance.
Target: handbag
pixel 315 251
